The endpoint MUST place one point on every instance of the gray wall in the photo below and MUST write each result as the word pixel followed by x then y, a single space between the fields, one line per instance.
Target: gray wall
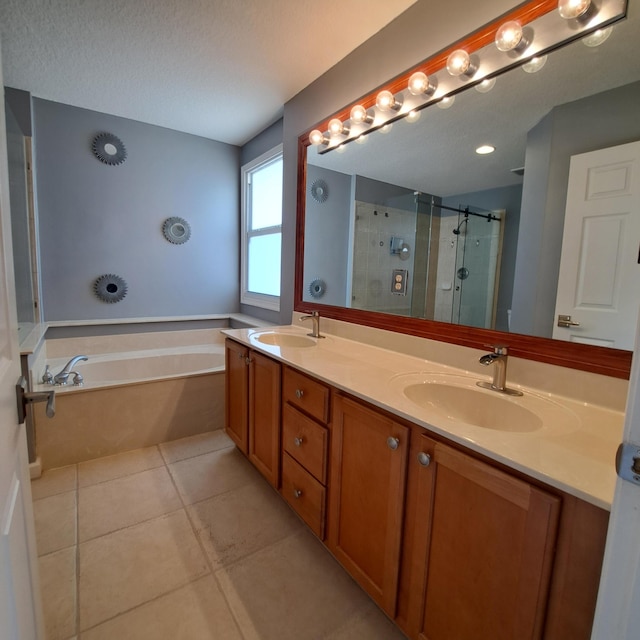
pixel 604 120
pixel 403 43
pixel 328 224
pixel 96 219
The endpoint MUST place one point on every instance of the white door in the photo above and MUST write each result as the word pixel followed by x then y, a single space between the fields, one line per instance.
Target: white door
pixel 618 609
pixel 20 610
pixel 599 282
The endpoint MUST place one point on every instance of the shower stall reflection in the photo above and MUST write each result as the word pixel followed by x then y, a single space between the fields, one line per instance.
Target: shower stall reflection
pixel 414 256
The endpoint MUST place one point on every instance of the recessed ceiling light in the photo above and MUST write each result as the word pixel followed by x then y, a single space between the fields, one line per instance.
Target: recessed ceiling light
pixel 485 149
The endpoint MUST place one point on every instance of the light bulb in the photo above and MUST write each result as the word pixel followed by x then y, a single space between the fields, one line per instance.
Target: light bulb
pixel 596 38
pixel 413 116
pixel 485 149
pixel 362 139
pixel 419 83
pixel 486 85
pixel 386 128
pixel 359 115
pixel 571 9
pixel 535 64
pixel 316 137
pixel 336 127
pixel 341 149
pixel 446 102
pixel 510 36
pixel 459 63
pixel 386 101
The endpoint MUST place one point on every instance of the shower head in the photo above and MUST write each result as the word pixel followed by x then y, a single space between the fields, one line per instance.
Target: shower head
pixel 456 231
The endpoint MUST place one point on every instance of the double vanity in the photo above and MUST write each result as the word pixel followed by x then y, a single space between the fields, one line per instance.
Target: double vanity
pixel 464 512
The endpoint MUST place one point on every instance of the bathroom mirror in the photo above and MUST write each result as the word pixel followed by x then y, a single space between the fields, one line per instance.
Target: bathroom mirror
pixel 422 186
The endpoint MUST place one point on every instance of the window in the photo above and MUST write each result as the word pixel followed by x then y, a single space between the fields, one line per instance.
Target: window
pixel 262 230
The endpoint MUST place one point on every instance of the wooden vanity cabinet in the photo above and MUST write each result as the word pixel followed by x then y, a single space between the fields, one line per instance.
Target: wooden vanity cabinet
pixel 253 407
pixel 305 447
pixel 449 545
pixel 369 452
pixel 483 548
pixel 237 394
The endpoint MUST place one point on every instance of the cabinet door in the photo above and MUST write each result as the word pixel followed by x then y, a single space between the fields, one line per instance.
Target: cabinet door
pixel 264 416
pixel 487 541
pixel 237 393
pixel 366 497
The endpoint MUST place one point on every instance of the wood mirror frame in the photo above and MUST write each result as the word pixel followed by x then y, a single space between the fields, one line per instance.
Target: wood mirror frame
pixel 601 360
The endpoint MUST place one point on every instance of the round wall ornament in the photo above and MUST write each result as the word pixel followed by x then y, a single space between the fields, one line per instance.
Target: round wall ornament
pixel 109 149
pixel 176 230
pixel 317 288
pixel 110 288
pixel 319 191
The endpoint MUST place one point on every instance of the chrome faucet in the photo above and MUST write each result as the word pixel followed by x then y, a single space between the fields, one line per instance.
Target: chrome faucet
pixel 315 319
pixel 499 361
pixel 63 376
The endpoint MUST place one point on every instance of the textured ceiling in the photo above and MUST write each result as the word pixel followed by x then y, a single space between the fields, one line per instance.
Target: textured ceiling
pixel 221 69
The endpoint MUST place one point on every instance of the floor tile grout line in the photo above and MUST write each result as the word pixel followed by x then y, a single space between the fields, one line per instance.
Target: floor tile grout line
pixel 188 457
pixel 131 526
pixel 206 555
pixel 146 602
pixel 124 475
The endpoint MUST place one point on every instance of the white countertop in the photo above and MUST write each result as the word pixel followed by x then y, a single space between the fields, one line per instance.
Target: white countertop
pixel 574 451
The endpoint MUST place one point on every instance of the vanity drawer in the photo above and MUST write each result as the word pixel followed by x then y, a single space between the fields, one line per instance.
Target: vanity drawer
pixel 307 394
pixel 304 493
pixel 305 441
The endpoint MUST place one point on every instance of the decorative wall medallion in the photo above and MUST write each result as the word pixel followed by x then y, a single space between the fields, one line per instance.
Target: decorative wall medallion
pixel 109 149
pixel 176 230
pixel 110 288
pixel 320 191
pixel 317 288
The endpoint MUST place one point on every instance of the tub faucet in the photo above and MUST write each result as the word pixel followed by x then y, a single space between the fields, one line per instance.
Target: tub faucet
pixel 315 319
pixel 499 361
pixel 63 376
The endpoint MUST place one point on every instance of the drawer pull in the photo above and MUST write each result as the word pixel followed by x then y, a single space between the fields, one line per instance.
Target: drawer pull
pixel 248 360
pixel 297 493
pixel 424 459
pixel 393 443
pixel 298 441
pixel 299 393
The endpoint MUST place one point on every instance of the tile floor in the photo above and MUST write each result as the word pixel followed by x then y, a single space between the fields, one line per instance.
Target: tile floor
pixel 187 541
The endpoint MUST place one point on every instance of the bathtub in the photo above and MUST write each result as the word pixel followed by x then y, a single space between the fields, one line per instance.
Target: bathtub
pixel 130 400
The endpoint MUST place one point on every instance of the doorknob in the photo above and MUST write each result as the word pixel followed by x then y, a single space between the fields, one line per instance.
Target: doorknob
pixel 566 321
pixel 23 397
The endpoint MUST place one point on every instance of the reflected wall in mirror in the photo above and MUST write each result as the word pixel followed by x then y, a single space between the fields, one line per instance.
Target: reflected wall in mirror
pixel 478 239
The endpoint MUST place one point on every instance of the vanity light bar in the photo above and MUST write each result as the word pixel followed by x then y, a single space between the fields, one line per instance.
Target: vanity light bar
pixel 500 46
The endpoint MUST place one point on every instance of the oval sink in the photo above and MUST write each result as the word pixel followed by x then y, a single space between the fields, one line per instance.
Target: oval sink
pixel 474 407
pixel 277 339
pixel 456 397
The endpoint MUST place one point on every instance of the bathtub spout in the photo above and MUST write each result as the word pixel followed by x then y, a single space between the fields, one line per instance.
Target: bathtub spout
pixel 63 376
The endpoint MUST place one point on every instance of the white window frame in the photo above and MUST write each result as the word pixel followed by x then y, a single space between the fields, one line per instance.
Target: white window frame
pixel 250 297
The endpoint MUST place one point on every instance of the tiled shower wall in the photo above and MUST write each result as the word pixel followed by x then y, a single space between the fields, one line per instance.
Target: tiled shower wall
pixel 373 262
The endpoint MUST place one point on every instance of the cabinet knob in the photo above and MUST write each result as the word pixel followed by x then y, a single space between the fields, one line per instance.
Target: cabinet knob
pixel 248 360
pixel 424 459
pixel 393 443
pixel 241 356
pixel 297 493
pixel 299 393
pixel 298 441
